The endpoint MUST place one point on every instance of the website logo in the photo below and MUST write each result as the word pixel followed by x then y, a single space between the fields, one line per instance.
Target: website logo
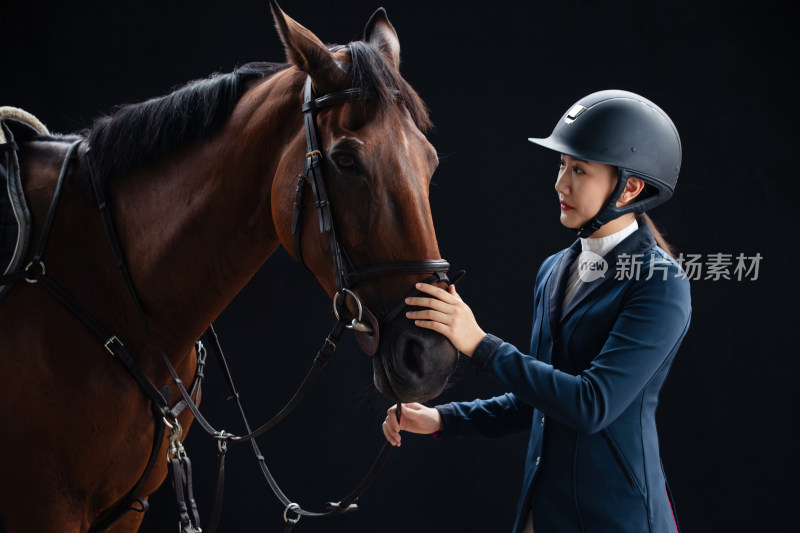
pixel 591 266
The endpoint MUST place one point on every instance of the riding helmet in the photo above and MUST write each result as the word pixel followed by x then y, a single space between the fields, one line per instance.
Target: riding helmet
pixel 625 130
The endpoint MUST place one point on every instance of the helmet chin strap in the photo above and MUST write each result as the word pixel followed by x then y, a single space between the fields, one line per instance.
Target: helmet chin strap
pixel 610 211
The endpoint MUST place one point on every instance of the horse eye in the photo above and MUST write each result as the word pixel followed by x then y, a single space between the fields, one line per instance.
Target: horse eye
pixel 345 161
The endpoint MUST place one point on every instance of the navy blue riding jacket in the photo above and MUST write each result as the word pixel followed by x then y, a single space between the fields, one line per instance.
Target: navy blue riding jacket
pixel 587 392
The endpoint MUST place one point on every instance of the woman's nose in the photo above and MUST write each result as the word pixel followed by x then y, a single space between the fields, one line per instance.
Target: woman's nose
pixel 561 182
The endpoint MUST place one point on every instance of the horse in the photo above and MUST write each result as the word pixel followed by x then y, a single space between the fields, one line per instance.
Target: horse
pixel 202 186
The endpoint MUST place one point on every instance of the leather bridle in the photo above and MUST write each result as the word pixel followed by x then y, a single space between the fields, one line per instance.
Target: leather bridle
pixel 346 274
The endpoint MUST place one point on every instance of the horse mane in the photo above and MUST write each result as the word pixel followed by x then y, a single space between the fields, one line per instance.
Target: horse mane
pixel 138 134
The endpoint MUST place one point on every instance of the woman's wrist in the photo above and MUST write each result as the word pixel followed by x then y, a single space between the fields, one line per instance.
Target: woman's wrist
pixel 472 344
pixel 439 431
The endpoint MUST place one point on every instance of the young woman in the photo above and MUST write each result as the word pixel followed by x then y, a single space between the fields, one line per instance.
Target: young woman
pixel 609 314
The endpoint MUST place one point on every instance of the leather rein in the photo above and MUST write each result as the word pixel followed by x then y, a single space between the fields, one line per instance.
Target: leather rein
pixel 166 417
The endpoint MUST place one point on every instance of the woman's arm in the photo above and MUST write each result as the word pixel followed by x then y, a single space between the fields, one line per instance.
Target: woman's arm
pixel 496 417
pixel 644 337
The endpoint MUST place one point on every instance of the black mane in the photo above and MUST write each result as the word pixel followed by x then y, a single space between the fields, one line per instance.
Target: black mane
pixel 138 134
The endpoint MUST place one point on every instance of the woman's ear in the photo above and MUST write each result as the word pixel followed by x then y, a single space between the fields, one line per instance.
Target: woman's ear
pixel 633 187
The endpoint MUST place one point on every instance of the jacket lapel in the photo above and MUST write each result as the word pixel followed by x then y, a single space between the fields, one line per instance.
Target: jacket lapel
pixel 557 281
pixel 637 242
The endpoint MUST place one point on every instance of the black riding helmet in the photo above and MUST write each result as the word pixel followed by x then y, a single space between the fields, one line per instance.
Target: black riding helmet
pixel 628 131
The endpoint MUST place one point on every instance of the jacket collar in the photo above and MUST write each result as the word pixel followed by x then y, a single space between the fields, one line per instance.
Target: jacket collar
pixel 637 242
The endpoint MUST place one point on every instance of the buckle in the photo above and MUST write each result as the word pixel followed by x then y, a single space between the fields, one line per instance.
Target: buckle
pixel 108 343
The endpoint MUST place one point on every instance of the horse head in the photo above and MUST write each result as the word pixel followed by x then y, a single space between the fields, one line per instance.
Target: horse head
pixel 376 165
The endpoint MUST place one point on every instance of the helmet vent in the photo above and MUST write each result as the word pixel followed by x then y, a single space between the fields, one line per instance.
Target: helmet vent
pixel 576 111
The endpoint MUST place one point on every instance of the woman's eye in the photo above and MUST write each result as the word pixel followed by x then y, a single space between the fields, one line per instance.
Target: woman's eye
pixel 345 161
pixel 576 169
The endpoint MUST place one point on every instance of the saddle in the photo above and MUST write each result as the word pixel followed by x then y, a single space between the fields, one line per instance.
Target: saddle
pixel 15 218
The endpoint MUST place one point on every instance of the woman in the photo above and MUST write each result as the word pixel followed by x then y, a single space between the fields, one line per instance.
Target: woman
pixel 609 314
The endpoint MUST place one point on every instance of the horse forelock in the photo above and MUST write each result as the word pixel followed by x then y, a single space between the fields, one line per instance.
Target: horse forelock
pixel 370 71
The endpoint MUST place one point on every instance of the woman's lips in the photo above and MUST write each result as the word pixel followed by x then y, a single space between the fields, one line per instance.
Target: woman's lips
pixel 565 206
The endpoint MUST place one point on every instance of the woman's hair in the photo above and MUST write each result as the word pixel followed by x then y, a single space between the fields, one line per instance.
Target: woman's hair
pixel 644 218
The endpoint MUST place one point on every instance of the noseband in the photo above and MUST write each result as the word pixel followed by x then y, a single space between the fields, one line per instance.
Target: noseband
pixel 345 272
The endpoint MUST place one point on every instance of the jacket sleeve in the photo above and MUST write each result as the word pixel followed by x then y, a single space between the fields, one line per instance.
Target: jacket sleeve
pixel 496 417
pixel 645 336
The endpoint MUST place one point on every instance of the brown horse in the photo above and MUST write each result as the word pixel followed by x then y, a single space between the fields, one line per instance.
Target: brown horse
pixel 202 188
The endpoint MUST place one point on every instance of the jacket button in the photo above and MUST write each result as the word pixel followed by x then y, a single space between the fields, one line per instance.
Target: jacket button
pixel 542 420
pixel 538 460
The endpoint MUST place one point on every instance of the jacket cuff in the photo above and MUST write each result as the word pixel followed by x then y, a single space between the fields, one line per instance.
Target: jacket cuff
pixel 446 414
pixel 485 350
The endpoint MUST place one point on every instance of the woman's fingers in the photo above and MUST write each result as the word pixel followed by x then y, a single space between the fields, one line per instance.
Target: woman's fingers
pixel 438 327
pixel 435 316
pixel 391 428
pixel 435 291
pixel 446 313
pixel 393 437
pixel 416 418
pixel 432 303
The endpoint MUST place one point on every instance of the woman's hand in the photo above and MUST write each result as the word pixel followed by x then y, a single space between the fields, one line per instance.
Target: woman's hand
pixel 415 418
pixel 448 315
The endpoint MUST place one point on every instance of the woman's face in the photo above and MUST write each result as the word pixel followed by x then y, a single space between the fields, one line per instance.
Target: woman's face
pixel 583 188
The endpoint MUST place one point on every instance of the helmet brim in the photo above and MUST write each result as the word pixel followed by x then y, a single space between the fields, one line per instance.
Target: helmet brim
pixel 560 147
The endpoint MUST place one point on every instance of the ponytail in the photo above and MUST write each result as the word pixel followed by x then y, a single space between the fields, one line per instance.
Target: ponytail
pixel 644 218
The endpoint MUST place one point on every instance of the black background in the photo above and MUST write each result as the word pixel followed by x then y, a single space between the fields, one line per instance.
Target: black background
pixel 493 74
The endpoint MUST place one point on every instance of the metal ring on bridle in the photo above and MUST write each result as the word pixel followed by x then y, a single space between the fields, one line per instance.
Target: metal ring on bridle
pixel 294 508
pixel 356 323
pixel 35 278
pixel 222 444
pixel 355 297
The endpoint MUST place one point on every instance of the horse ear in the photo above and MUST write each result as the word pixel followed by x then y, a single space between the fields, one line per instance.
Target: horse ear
pixel 380 33
pixel 305 51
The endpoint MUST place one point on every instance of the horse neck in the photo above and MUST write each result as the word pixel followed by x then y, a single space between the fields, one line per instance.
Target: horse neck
pixel 198 225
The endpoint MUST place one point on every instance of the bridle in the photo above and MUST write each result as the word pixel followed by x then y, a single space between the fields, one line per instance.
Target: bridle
pixel 347 276
pixel 164 411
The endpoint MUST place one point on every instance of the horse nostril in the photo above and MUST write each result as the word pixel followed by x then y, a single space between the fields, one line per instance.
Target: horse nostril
pixel 413 353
